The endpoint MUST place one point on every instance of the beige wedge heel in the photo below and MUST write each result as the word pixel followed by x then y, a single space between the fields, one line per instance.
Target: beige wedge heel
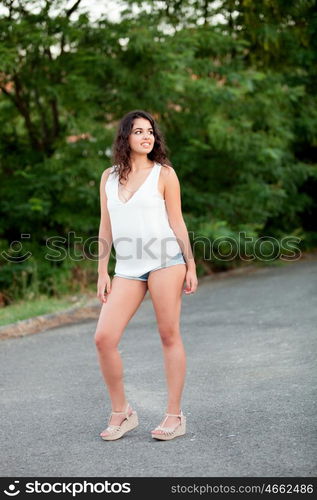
pixel 117 431
pixel 170 432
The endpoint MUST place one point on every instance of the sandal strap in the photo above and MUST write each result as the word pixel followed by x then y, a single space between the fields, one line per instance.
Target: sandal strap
pixel 173 415
pixel 170 429
pixel 120 413
pixel 167 430
pixel 113 428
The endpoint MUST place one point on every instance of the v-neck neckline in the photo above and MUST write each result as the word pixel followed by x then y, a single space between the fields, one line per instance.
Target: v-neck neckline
pixel 136 192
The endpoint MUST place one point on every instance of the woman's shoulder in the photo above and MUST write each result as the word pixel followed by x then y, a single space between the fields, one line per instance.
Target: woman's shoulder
pixel 168 177
pixel 168 171
pixel 108 171
pixel 105 175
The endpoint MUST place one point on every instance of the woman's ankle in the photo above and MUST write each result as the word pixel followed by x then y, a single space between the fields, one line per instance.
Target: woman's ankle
pixel 174 409
pixel 119 405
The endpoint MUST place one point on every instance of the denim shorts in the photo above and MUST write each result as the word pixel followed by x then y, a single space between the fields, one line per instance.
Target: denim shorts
pixel 177 259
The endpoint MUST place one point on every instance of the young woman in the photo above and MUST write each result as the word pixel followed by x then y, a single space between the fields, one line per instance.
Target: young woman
pixel 141 216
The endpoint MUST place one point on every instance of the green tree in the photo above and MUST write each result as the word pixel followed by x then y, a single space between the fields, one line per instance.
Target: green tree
pixel 232 84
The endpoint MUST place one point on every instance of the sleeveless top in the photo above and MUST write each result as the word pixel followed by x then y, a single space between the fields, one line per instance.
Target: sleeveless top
pixel 142 236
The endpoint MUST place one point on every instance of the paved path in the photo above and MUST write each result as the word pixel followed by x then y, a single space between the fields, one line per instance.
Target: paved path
pixel 250 393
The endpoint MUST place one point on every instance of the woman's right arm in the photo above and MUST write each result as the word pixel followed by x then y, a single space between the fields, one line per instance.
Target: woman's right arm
pixel 104 242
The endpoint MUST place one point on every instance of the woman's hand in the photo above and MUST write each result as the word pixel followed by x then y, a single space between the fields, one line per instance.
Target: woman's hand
pixel 191 281
pixel 103 287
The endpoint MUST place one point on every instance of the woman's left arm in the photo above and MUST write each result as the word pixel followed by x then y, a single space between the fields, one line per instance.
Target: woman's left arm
pixel 172 194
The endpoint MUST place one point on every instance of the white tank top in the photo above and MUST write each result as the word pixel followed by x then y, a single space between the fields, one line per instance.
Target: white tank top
pixel 142 236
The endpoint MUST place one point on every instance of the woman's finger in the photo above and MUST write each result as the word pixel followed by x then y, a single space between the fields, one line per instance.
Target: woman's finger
pixel 102 296
pixel 191 286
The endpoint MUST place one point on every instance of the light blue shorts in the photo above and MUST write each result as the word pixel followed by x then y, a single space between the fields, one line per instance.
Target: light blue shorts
pixel 178 259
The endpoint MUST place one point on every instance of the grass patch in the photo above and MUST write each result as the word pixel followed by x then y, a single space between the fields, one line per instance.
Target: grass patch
pixel 26 309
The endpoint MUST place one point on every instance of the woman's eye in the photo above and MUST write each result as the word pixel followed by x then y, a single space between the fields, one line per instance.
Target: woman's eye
pixel 139 132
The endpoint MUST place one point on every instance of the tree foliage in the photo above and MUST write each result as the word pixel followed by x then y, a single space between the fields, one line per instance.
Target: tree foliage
pixel 232 84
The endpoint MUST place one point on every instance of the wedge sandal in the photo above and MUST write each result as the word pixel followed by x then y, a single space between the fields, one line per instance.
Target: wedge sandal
pixel 170 432
pixel 117 431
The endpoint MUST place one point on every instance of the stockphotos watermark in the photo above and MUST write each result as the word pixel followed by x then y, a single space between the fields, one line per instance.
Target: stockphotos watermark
pixel 73 488
pixel 224 248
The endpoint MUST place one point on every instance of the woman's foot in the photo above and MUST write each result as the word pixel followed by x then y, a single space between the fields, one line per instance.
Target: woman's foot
pixel 170 422
pixel 119 423
pixel 171 426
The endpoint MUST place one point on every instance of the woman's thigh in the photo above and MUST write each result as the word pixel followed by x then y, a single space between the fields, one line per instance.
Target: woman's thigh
pixel 166 287
pixel 124 299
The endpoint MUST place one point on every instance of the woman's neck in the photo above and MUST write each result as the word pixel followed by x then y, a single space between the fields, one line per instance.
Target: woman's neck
pixel 139 162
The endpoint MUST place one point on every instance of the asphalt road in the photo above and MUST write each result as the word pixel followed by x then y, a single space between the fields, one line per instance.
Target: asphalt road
pixel 250 392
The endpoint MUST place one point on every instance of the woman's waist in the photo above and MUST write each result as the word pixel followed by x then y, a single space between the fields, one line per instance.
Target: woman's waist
pixel 151 247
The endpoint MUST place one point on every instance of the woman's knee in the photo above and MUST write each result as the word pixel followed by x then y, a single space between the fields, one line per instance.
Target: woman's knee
pixel 170 335
pixel 105 340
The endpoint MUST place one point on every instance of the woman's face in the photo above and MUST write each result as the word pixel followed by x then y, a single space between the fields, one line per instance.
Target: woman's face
pixel 141 138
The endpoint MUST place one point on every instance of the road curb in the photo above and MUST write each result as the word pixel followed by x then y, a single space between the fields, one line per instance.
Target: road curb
pixel 46 321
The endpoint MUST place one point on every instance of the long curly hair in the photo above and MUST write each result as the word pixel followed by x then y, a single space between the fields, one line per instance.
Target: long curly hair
pixel 121 148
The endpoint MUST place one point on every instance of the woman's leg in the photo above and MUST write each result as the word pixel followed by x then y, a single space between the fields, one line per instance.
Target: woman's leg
pixel 124 299
pixel 166 288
